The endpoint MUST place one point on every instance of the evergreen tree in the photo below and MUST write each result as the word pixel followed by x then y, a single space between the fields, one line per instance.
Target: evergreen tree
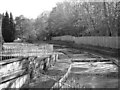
pixel 8 28
pixel 5 27
pixel 12 27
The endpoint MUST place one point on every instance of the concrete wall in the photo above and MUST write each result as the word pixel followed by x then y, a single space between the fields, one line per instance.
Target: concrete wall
pixel 16 72
pixel 13 73
pixel 111 42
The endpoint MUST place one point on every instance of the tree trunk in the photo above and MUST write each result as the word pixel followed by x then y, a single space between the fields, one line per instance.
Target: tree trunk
pixel 91 19
pixel 106 17
pixel 118 17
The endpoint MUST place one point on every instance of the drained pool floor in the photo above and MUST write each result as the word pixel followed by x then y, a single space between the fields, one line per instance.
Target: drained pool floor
pixel 72 72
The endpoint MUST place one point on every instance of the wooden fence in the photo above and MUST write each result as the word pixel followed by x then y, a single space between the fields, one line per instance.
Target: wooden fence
pixel 110 42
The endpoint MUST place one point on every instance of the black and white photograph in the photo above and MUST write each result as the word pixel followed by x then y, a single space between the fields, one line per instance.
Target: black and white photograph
pixel 59 44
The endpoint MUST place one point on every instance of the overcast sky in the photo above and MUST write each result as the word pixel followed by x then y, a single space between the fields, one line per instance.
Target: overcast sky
pixel 28 8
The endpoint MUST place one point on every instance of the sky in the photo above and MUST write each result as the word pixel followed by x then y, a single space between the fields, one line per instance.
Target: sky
pixel 28 8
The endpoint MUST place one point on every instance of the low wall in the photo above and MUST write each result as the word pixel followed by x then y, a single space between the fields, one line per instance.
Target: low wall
pixel 16 72
pixel 110 42
pixel 22 49
pixel 22 68
pixel 13 73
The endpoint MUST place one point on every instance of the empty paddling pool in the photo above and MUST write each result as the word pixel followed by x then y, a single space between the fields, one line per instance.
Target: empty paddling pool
pixel 87 70
pixel 92 75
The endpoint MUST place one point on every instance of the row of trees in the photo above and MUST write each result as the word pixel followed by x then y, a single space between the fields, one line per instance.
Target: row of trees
pixel 80 18
pixel 32 29
pixel 8 28
pixel 72 17
pixel 25 28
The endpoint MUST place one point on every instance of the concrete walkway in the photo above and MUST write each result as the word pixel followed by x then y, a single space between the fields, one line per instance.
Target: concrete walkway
pixel 106 52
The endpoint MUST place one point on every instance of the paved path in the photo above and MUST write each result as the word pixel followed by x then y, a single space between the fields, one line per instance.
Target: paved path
pixel 107 52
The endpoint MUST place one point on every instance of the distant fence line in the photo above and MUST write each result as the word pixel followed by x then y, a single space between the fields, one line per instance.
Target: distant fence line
pixel 105 41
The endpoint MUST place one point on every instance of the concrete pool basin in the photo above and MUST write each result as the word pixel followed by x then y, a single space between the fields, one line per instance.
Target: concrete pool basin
pixel 92 75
